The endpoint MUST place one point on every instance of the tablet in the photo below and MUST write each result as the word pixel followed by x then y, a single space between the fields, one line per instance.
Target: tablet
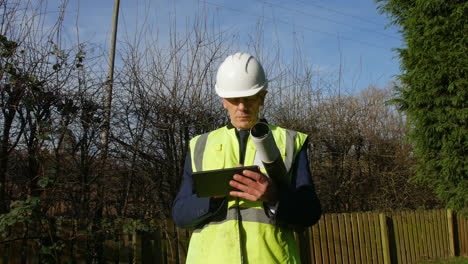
pixel 216 182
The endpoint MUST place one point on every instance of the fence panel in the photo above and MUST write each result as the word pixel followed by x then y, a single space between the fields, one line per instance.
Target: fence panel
pixel 443 233
pixel 362 247
pixel 414 237
pixel 343 239
pixel 378 238
pixel 432 225
pixel 411 238
pixel 462 234
pixel 330 240
pixel 370 238
pixel 349 238
pixel 316 242
pixel 420 235
pixel 367 238
pixel 353 238
pixel 421 247
pixel 356 239
pixel 377 241
pixel 323 240
pixel 410 258
pixel 405 252
pixel 336 239
pixel 429 233
pixel 437 234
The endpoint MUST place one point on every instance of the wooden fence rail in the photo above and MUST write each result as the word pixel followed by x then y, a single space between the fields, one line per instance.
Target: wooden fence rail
pixel 394 237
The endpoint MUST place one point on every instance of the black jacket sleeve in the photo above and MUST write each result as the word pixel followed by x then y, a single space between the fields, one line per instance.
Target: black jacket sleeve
pixel 188 210
pixel 298 204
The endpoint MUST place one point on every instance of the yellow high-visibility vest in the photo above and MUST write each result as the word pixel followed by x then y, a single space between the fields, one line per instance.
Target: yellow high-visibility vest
pixel 219 241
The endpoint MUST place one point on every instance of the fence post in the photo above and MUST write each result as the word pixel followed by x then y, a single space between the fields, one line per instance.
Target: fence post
pixel 450 232
pixel 136 247
pixel 384 235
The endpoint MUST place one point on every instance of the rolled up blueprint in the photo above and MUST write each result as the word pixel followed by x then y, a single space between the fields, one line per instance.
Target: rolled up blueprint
pixel 268 152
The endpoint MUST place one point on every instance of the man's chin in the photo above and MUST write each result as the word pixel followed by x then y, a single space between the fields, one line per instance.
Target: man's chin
pixel 245 124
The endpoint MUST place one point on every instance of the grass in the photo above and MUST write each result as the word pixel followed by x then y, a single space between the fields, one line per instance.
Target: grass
pixel 456 260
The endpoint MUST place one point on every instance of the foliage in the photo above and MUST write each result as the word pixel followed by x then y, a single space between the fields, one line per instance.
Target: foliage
pixel 20 213
pixel 434 91
pixel 358 156
pixel 51 117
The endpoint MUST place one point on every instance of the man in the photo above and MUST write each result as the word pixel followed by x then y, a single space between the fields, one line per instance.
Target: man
pixel 253 224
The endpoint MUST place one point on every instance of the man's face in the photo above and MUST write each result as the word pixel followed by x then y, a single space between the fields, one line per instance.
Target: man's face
pixel 243 111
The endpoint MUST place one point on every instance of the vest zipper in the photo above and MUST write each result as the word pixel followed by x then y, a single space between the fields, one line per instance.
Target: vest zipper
pixel 239 228
pixel 242 139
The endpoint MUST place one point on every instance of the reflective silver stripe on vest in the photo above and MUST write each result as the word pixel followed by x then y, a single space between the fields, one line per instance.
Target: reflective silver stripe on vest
pixel 290 148
pixel 256 215
pixel 199 150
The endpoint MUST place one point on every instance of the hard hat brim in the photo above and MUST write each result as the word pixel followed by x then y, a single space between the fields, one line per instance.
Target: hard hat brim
pixel 236 94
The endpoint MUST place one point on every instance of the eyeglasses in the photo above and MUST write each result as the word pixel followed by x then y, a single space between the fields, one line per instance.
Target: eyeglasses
pixel 245 100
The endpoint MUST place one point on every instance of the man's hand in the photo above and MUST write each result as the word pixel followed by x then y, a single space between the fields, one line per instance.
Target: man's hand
pixel 254 186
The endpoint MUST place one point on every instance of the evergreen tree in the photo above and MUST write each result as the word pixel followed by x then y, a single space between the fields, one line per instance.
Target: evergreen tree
pixel 433 90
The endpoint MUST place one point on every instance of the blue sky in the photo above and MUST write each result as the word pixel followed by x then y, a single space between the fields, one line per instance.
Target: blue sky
pixel 331 33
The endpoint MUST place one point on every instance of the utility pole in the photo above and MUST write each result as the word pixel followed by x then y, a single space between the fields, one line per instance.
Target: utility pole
pixel 109 85
pixel 97 244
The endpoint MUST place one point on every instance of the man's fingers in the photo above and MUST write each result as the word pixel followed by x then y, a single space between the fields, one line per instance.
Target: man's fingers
pixel 252 174
pixel 246 188
pixel 241 187
pixel 244 180
pixel 251 185
pixel 244 195
pixel 259 177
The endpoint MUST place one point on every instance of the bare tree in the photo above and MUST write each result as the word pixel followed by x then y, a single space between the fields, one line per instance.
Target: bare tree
pixel 166 98
pixel 51 98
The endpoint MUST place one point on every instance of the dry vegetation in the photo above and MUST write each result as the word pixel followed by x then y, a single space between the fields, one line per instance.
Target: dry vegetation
pixel 52 109
pixel 51 97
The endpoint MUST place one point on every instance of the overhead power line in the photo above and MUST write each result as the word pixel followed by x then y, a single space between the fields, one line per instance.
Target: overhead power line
pixel 336 11
pixel 327 19
pixel 365 43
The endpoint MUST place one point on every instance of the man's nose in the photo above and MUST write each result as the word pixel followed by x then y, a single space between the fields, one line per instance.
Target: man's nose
pixel 242 105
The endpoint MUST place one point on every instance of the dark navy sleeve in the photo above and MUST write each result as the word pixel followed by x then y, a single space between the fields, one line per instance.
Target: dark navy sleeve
pixel 188 210
pixel 298 204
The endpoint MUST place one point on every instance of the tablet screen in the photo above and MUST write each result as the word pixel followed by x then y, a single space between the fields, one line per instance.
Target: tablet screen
pixel 216 182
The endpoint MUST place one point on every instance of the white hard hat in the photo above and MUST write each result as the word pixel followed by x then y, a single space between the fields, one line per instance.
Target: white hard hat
pixel 240 75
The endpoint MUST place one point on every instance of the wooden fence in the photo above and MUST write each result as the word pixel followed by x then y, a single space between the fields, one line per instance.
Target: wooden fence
pixel 399 237
pixel 396 237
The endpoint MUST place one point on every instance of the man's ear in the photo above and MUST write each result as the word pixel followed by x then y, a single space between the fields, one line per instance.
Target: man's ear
pixel 224 102
pixel 262 96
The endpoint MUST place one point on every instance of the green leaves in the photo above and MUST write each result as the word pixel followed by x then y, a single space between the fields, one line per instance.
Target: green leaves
pixel 132 225
pixel 43 182
pixel 435 91
pixel 7 47
pixel 21 212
